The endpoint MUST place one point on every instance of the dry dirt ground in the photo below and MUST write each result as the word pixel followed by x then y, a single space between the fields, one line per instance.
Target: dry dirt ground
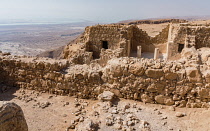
pixel 47 112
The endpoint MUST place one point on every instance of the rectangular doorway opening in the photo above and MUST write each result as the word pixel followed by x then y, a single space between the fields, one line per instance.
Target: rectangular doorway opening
pixel 180 47
pixel 105 44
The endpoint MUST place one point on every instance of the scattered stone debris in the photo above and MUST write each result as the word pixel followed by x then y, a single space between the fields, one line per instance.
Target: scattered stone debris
pixel 106 96
pixel 172 108
pixel 179 114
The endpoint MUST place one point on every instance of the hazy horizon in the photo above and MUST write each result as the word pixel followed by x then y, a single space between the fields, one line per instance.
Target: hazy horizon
pixel 97 11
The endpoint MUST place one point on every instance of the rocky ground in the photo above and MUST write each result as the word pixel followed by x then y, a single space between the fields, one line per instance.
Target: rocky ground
pixel 47 112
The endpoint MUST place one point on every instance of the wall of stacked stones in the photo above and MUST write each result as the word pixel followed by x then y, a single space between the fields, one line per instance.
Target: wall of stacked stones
pixel 141 38
pixel 77 54
pixel 32 74
pixel 201 33
pixel 51 77
pixel 160 40
pixel 118 36
pixel 108 54
pixel 171 83
pixel 162 37
pixel 97 34
pixel 202 38
pixel 148 43
pixel 139 79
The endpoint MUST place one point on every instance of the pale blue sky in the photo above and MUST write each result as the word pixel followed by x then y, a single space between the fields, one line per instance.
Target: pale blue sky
pixel 100 10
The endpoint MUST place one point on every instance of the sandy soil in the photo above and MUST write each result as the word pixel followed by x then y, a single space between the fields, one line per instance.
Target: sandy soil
pixel 57 116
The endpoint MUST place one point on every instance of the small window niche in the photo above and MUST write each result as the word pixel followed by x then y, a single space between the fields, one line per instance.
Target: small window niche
pixel 180 47
pixel 105 45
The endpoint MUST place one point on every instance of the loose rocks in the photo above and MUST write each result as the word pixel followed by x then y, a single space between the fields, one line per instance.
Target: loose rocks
pixel 106 96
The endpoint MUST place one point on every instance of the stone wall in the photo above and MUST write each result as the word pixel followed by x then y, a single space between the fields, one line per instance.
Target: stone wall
pixel 151 81
pixel 95 35
pixel 132 35
pixel 108 54
pixel 181 83
pixel 162 37
pixel 159 41
pixel 77 54
pixel 31 72
pixel 124 37
pixel 141 38
pixel 201 34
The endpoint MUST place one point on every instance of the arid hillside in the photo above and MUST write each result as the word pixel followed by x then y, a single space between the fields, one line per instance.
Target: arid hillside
pixel 32 40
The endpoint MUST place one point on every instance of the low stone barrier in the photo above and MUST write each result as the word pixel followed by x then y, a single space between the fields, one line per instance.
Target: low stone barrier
pixel 147 80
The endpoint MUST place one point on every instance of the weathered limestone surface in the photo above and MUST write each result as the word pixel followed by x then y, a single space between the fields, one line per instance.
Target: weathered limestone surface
pixel 12 118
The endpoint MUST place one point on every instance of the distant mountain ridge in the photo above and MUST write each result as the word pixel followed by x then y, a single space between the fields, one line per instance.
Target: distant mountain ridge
pixel 188 18
pixel 158 21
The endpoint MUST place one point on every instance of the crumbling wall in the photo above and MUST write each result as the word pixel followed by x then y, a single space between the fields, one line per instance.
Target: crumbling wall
pixel 141 38
pixel 180 83
pixel 30 72
pixel 159 41
pixel 157 82
pixel 110 54
pixel 201 33
pixel 95 35
pixel 159 21
pixel 114 37
pixel 148 44
pixel 202 38
pixel 162 37
pixel 77 54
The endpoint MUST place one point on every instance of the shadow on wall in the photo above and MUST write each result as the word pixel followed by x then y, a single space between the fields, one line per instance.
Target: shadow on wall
pixel 7 93
pixel 96 49
pixel 7 86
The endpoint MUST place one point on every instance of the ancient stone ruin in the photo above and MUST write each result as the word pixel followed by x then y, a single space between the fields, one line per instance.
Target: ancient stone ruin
pixel 171 68
pixel 103 42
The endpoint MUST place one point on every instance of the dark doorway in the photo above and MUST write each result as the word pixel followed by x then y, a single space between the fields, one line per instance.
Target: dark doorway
pixel 105 44
pixel 180 47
